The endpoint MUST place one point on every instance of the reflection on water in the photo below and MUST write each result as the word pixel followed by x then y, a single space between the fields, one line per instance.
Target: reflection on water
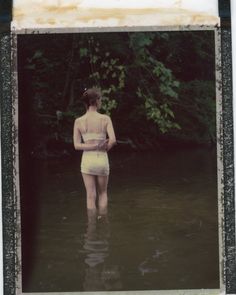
pixel 96 246
pixel 95 242
pixel 160 231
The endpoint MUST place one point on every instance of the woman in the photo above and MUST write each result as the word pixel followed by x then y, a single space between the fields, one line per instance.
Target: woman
pixel 90 135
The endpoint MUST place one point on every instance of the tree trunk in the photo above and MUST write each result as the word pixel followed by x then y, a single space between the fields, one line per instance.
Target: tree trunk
pixel 69 76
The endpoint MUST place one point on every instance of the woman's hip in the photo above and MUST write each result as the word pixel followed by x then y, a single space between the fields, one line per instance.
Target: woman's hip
pixel 95 162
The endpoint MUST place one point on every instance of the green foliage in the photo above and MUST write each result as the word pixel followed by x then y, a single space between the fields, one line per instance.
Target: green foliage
pixel 106 71
pixel 149 89
pixel 197 111
pixel 83 52
pixel 161 114
pixel 157 99
pixel 108 105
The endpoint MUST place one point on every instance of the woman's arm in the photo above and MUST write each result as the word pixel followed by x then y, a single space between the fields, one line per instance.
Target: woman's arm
pixel 111 134
pixel 78 145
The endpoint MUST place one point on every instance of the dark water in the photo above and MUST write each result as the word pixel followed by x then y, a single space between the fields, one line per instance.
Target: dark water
pixel 160 231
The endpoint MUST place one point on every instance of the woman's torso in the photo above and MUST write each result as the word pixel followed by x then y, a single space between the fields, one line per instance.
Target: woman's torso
pixel 93 127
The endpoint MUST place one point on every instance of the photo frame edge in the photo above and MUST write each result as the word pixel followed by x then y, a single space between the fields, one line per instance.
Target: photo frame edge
pixel 15 138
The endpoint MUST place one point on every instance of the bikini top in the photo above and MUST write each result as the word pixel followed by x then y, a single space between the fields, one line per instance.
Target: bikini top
pixel 98 129
pixel 96 136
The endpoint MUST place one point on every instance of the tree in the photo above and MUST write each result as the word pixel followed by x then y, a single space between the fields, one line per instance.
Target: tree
pixel 147 86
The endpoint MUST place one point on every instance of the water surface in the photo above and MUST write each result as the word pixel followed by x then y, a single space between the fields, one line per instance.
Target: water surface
pixel 160 231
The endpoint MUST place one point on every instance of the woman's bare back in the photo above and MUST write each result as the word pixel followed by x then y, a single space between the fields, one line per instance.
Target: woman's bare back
pixel 93 123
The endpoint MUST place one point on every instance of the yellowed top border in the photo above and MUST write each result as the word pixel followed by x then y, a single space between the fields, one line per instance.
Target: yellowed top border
pixel 70 14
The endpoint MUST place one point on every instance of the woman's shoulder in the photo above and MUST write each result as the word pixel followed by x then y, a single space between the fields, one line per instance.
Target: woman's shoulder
pixel 105 117
pixel 80 119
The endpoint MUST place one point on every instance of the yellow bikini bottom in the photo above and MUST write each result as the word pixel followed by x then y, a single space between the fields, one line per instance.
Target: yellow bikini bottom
pixel 95 163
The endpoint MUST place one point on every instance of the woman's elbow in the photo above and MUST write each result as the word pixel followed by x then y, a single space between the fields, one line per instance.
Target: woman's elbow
pixel 77 147
pixel 113 141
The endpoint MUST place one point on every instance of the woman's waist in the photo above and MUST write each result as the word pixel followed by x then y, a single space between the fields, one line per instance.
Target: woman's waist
pixel 94 141
pixel 90 137
pixel 95 152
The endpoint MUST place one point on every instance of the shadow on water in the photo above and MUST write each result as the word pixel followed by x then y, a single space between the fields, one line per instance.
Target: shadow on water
pixel 160 232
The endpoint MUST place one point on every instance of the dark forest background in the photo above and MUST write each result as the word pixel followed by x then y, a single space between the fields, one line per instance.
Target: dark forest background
pixel 158 87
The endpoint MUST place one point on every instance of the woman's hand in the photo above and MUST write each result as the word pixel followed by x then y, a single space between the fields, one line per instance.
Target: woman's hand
pixel 103 146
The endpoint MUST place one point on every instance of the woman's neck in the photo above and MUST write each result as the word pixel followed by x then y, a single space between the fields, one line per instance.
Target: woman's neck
pixel 92 109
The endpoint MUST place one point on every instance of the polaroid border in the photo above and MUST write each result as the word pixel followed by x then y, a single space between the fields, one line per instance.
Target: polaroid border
pixel 228 154
pixel 10 167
